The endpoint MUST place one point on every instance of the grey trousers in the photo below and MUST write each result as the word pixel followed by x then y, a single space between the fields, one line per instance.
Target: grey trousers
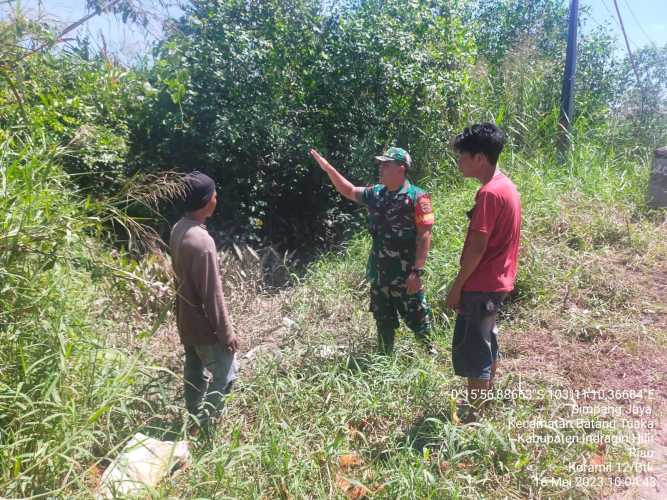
pixel 205 396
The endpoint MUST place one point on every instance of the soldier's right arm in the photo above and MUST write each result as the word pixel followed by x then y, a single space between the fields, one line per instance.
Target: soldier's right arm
pixel 342 185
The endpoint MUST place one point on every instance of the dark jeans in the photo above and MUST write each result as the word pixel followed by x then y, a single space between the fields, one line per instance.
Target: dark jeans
pixel 204 396
pixel 474 345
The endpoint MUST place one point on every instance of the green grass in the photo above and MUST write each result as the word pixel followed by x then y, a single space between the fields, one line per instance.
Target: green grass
pixel 81 322
pixel 66 391
pixel 289 431
pixel 307 426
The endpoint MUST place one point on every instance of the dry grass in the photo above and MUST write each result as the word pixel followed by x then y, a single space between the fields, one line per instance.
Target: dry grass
pixel 606 326
pixel 254 284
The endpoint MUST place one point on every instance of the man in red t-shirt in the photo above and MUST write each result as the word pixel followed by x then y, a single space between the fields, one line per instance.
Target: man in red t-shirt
pixel 489 259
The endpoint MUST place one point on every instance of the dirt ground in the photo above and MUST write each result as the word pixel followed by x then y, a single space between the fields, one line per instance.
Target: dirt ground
pixel 628 353
pixel 613 361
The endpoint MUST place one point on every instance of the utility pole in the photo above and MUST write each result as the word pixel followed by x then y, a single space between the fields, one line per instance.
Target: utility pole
pixel 642 95
pixel 567 95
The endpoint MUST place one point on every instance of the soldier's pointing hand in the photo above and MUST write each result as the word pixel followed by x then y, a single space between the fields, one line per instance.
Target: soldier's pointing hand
pixel 321 161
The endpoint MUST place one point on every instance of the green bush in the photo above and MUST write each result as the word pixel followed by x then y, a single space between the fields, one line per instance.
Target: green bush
pixel 246 88
pixel 242 91
pixel 74 102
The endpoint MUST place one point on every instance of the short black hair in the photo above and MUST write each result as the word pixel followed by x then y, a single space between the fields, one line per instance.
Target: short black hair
pixel 485 138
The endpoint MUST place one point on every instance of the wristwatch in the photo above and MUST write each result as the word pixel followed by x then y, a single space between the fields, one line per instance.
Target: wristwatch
pixel 418 271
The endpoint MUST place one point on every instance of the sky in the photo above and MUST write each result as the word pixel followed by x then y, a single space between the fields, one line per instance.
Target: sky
pixel 124 40
pixel 645 22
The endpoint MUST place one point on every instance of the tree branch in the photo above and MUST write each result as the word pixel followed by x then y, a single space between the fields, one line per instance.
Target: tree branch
pixel 15 91
pixel 71 27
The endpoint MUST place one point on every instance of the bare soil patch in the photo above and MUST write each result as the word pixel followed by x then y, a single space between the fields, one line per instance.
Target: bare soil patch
pixel 627 353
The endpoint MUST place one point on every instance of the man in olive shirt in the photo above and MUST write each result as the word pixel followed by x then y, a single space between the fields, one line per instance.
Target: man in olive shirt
pixel 203 321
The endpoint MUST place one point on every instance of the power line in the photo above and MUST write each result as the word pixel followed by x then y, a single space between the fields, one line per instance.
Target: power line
pixel 638 24
pixel 627 44
pixel 604 4
pixel 616 19
pixel 597 23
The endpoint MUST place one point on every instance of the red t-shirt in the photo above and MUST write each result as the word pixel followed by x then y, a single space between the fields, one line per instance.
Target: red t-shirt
pixel 497 212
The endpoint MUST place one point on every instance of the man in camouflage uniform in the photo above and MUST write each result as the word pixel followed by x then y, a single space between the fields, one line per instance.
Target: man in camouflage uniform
pixel 400 220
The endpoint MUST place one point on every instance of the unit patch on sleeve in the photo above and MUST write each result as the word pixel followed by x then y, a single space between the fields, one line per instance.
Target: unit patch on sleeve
pixel 424 211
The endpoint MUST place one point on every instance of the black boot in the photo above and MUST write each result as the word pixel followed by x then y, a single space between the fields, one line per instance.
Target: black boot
pixel 386 340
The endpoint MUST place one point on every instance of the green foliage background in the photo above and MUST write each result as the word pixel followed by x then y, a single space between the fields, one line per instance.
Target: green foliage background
pixel 244 89
pixel 241 89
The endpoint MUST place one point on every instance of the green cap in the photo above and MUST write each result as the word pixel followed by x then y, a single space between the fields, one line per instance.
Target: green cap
pixel 396 154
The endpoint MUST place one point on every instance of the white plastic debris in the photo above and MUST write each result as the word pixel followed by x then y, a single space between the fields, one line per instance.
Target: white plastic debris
pixel 142 464
pixel 288 323
pixel 328 351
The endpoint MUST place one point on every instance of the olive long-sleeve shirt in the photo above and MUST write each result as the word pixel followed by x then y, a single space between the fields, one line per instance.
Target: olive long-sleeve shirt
pixel 201 311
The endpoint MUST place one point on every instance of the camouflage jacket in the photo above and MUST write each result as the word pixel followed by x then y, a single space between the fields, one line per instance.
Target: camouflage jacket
pixel 393 218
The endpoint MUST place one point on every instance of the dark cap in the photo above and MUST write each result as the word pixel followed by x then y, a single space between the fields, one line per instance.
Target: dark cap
pixel 200 188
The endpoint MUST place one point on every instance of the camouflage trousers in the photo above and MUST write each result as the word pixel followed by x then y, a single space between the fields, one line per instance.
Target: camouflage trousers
pixel 388 302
